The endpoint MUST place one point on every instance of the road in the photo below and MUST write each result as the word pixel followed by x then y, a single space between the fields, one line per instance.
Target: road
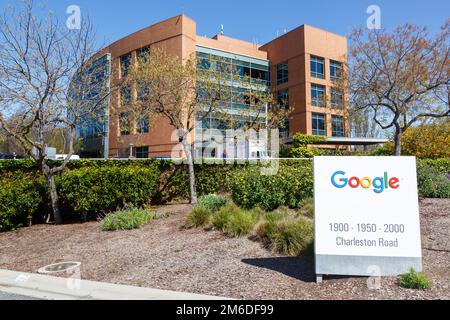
pixel 10 296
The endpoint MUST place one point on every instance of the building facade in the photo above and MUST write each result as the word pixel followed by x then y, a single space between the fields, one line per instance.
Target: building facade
pixel 300 67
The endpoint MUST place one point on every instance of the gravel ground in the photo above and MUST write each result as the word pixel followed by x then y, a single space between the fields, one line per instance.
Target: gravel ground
pixel 163 255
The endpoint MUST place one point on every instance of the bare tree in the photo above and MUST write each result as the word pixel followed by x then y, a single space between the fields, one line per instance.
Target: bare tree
pixel 48 81
pixel 401 77
pixel 187 92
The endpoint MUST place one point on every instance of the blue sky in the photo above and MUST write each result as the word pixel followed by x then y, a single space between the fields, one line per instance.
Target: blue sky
pixel 249 19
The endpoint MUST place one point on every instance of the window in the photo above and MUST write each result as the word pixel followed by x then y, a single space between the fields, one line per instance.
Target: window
pixel 338 126
pixel 283 98
pixel 336 98
pixel 142 152
pixel 259 74
pixel 143 54
pixel 143 125
pixel 282 73
pixel 125 95
pixel 125 63
pixel 317 95
pixel 317 67
pixel 143 92
pixel 124 124
pixel 335 70
pixel 318 124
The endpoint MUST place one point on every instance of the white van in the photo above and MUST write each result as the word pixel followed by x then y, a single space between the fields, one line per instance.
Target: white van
pixel 64 156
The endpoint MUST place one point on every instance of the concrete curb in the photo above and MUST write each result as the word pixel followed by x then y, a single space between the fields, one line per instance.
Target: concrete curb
pixel 55 288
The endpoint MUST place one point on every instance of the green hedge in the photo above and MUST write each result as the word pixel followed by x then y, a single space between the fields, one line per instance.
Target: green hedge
pixel 104 189
pixel 21 196
pixel 293 183
pixel 89 187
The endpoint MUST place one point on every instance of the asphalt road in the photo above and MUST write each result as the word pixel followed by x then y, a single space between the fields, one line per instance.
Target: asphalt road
pixel 10 296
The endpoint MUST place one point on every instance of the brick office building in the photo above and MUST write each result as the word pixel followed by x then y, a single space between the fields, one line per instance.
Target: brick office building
pixel 298 67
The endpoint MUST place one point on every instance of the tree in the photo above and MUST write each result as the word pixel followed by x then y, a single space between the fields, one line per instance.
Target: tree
pixel 48 81
pixel 187 91
pixel 401 77
pixel 428 140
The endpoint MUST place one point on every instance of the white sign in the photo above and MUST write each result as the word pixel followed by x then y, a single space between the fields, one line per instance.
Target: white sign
pixel 366 215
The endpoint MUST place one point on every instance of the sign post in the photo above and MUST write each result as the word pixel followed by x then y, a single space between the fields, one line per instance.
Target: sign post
pixel 366 216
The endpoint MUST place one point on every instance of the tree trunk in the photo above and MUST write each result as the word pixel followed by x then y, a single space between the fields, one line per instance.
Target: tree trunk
pixel 190 162
pixel 398 142
pixel 54 198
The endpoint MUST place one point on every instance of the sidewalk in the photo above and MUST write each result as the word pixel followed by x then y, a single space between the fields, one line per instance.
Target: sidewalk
pixel 54 288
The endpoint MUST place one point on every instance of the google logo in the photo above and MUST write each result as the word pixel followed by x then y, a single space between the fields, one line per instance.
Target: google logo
pixel 379 184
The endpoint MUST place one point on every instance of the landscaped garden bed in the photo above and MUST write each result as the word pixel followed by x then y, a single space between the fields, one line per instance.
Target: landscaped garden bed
pixel 165 254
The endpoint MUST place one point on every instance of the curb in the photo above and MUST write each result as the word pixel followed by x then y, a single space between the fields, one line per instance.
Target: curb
pixel 55 288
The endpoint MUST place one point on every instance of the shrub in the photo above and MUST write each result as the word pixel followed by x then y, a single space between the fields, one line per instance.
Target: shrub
pixel 307 207
pixel 127 219
pixel 292 237
pixel 432 182
pixel 428 140
pixel 302 148
pixel 22 197
pixel 240 224
pixel 221 217
pixel 92 190
pixel 442 165
pixel 234 221
pixel 266 226
pixel 293 183
pixel 198 217
pixel 414 280
pixel 211 202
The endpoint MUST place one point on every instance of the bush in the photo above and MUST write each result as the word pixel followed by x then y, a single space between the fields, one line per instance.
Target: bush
pixel 414 280
pixel 104 189
pixel 211 203
pixel 127 219
pixel 293 183
pixel 198 217
pixel 442 165
pixel 307 207
pixel 293 236
pixel 22 197
pixel 240 224
pixel 432 182
pixel 234 221
pixel 267 225
pixel 428 140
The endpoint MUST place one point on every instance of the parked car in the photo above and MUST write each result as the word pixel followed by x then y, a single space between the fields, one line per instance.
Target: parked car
pixel 64 156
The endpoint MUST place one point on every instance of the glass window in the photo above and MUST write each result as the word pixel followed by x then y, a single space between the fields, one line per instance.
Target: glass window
pixel 203 64
pixel 317 67
pixel 143 124
pixel 259 74
pixel 336 98
pixel 318 124
pixel 335 70
pixel 125 94
pixel 143 54
pixel 125 63
pixel 142 152
pixel 124 124
pixel 143 92
pixel 283 98
pixel 317 95
pixel 282 73
pixel 338 126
